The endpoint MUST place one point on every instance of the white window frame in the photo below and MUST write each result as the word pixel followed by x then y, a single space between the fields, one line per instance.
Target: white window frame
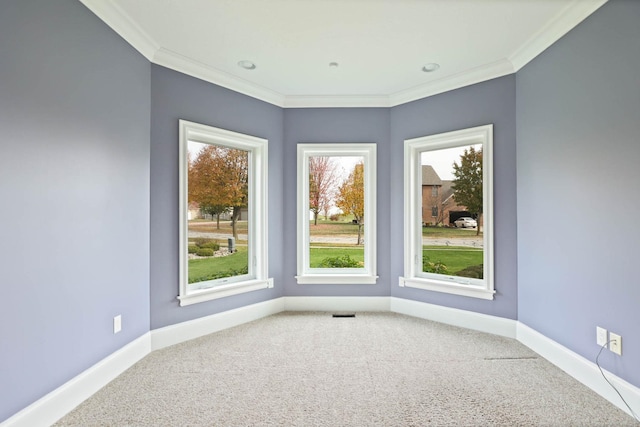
pixel 414 277
pixel 308 275
pixel 257 234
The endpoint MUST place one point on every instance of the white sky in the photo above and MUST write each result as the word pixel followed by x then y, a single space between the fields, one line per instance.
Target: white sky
pixel 194 148
pixel 442 160
pixel 346 164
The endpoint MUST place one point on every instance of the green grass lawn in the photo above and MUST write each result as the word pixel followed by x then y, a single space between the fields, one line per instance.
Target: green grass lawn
pixel 456 258
pixel 336 245
pixel 317 254
pixel 202 269
pixel 448 232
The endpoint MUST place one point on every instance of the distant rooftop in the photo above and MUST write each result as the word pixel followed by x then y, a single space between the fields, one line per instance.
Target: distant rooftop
pixel 430 176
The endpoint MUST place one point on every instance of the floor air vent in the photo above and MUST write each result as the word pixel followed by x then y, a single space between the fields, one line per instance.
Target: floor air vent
pixel 344 315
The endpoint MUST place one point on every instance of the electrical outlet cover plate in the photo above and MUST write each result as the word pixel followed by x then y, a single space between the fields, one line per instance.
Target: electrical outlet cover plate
pixel 601 336
pixel 117 324
pixel 615 343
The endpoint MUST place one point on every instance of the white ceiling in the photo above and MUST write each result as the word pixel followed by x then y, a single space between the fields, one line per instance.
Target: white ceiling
pixel 380 45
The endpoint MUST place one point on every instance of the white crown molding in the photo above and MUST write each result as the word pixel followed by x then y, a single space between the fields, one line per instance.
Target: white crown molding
pixel 477 75
pixel 121 23
pixel 202 71
pixel 557 27
pixel 336 101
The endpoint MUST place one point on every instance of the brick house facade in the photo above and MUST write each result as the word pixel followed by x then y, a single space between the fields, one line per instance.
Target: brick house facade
pixel 438 201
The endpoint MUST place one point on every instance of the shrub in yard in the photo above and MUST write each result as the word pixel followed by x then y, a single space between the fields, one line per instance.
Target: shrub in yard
pixel 473 271
pixel 210 245
pixel 344 261
pixel 193 249
pixel 200 240
pixel 204 252
pixel 334 217
pixel 433 267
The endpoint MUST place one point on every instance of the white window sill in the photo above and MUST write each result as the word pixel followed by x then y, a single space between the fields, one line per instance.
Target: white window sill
pixel 337 279
pixel 447 287
pixel 225 290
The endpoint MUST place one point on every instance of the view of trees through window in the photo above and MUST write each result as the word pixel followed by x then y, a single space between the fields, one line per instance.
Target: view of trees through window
pixel 337 216
pixel 218 212
pixel 452 208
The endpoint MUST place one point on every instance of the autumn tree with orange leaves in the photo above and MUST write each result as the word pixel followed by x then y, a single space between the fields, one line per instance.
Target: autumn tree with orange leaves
pixel 351 197
pixel 218 180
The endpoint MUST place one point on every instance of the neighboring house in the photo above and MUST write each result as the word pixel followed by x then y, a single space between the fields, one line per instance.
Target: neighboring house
pixel 226 216
pixel 438 200
pixel 431 195
pixel 194 211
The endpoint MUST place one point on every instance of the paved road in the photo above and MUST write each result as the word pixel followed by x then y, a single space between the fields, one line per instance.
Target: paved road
pixel 471 241
pixel 207 235
pixel 314 239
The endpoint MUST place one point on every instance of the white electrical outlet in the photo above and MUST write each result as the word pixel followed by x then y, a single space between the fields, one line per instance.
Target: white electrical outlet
pixel 117 324
pixel 601 336
pixel 615 343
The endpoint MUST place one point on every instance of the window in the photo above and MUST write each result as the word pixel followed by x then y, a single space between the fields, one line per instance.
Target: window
pixel 336 214
pixel 434 191
pixel 455 253
pixel 223 217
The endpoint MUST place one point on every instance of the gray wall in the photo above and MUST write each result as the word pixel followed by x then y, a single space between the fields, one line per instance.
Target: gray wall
pixel 177 96
pixel 335 125
pixel 74 186
pixel 484 103
pixel 578 116
pixel 88 228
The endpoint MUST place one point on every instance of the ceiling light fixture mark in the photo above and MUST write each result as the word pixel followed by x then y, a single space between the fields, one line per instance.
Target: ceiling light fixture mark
pixel 430 67
pixel 247 65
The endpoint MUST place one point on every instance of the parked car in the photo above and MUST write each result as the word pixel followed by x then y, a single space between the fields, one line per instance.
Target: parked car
pixel 465 222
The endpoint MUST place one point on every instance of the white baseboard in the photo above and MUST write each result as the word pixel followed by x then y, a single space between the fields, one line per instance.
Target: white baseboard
pixel 191 329
pixel 336 303
pixel 581 369
pixel 59 402
pixel 456 317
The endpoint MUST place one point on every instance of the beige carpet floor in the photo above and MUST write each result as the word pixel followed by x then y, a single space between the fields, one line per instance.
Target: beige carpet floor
pixel 377 369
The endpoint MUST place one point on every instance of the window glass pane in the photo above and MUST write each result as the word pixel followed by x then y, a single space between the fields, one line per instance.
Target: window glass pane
pixel 336 212
pixel 223 216
pixel 449 219
pixel 218 214
pixel 452 207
